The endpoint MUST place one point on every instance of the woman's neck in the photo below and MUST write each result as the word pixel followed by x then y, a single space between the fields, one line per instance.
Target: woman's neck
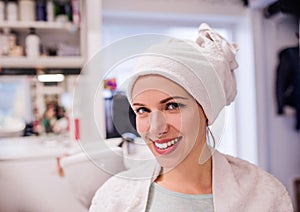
pixel 188 177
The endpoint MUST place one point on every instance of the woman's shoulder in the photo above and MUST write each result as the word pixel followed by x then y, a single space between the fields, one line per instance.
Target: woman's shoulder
pixel 111 193
pixel 125 190
pixel 257 184
pixel 245 170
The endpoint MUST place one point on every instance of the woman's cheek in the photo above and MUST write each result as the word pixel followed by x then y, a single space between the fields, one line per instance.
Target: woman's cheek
pixel 175 121
pixel 142 125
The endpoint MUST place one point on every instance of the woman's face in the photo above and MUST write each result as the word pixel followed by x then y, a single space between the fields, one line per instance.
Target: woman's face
pixel 168 119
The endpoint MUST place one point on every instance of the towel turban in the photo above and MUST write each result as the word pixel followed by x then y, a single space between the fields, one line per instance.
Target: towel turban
pixel 204 68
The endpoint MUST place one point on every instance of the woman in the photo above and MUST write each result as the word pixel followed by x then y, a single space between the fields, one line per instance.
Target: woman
pixel 49 117
pixel 178 90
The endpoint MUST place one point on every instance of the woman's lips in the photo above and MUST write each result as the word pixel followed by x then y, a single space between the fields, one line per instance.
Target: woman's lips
pixel 166 145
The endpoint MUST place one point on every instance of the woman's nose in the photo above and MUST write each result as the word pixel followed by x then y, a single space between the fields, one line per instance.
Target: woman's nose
pixel 158 124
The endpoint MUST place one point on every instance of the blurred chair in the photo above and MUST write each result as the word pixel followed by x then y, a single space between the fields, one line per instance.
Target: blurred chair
pixel 87 171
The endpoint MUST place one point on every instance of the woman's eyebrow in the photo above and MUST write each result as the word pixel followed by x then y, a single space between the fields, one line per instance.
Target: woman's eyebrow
pixel 172 97
pixel 138 104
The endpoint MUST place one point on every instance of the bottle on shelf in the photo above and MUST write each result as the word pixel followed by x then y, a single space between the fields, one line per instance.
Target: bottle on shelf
pixel 50 11
pixel 3 44
pixel 41 11
pixel 2 10
pixel 27 10
pixel 76 12
pixel 32 44
pixel 68 10
pixel 63 12
pixel 12 10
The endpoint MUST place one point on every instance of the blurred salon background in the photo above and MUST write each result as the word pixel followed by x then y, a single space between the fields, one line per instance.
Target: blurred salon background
pixel 45 163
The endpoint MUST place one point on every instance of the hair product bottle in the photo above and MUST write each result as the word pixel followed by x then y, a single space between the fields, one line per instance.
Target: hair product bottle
pixel 12 10
pixel 2 10
pixel 32 44
pixel 27 10
pixel 50 11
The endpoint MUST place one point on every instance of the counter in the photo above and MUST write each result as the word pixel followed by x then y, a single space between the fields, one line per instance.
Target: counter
pixel 29 175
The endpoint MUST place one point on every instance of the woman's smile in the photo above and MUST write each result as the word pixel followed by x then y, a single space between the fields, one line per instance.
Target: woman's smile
pixel 165 146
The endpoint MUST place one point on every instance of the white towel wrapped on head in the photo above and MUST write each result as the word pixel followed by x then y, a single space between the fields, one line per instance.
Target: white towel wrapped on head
pixel 203 68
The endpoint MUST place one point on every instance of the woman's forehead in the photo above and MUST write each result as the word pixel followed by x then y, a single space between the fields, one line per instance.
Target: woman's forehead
pixel 157 83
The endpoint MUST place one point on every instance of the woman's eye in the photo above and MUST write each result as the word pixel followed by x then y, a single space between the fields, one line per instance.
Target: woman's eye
pixel 142 110
pixel 173 106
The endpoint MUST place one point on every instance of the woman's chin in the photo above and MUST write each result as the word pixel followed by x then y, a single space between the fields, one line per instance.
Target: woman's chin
pixel 169 163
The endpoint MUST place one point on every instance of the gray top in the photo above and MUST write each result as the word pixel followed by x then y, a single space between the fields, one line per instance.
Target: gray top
pixel 163 200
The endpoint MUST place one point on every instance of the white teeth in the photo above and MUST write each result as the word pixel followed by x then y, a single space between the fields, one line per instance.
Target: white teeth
pixel 167 144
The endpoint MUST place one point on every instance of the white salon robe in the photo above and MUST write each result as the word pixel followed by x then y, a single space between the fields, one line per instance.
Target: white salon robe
pixel 237 186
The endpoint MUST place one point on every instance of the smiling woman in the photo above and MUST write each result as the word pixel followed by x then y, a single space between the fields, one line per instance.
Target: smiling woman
pixel 164 113
pixel 177 91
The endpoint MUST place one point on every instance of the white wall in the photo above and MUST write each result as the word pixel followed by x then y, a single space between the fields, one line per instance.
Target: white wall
pixel 246 100
pixel 203 7
pixel 278 142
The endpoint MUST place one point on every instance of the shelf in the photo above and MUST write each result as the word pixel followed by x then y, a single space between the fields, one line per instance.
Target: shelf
pixel 19 25
pixel 42 62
